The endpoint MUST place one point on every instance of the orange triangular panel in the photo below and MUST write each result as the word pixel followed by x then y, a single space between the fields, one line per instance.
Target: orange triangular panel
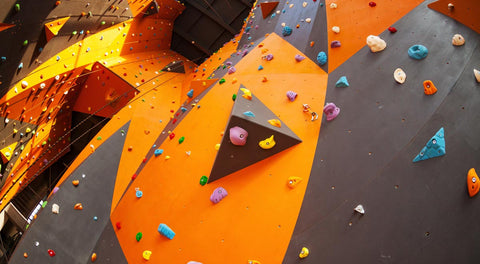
pixel 7 152
pixel 267 8
pixel 4 26
pixel 52 28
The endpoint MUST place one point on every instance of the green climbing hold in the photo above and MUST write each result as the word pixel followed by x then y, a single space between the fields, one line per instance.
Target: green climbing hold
pixel 44 204
pixel 25 42
pixel 122 131
pixel 74 32
pixel 139 236
pixel 17 7
pixel 234 97
pixel 99 138
pixel 203 180
pixel 44 143
pixel 103 23
pixel 221 81
pixel 180 140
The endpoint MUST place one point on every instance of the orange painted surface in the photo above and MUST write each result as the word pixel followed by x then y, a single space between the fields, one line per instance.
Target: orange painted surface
pixel 465 11
pixel 198 87
pixel 257 218
pixel 357 20
pixel 138 6
pixel 4 26
pixel 52 28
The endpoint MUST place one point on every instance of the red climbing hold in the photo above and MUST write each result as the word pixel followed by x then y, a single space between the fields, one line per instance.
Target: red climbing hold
pixel 51 252
pixel 134 176
pixel 392 29
pixel 171 136
pixel 118 225
pixel 174 121
pixel 144 160
pixel 372 4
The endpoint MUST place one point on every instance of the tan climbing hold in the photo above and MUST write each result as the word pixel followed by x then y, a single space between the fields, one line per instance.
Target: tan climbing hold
pixel 458 40
pixel 399 75
pixel 477 74
pixel 375 43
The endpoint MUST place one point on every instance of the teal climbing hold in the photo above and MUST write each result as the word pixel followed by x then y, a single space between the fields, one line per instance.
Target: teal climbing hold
pixel 139 236
pixel 322 58
pixel 190 93
pixel 435 147
pixel 183 109
pixel 286 31
pixel 260 67
pixel 417 52
pixel 166 231
pixel 249 113
pixel 158 152
pixel 342 82
pixel 180 140
pixel 20 66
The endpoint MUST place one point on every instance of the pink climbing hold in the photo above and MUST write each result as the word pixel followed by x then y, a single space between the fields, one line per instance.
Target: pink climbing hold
pixel 331 110
pixel 238 136
pixel 218 194
pixel 231 70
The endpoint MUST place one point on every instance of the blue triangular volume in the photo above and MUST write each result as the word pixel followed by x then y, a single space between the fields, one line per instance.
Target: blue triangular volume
pixel 435 147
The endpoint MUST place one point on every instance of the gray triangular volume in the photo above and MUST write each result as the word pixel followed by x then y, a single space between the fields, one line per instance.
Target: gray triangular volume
pixel 175 66
pixel 231 158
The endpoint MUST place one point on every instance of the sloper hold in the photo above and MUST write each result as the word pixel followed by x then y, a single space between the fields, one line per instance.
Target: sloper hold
pixel 267 8
pixel 231 158
pixel 175 66
pixel 435 147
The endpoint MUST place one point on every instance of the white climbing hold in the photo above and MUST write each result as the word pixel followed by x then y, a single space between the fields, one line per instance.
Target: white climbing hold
pixel 57 77
pixel 336 29
pixel 308 20
pixel 477 74
pixel 333 5
pixel 458 40
pixel 24 84
pixel 399 75
pixel 55 208
pixel 375 43
pixel 360 209
pixel 42 85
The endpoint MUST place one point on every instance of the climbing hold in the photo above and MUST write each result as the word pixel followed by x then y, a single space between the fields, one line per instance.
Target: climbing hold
pixel 138 193
pixel 190 93
pixel 75 182
pixel 158 152
pixel 473 182
pixel 260 67
pixel 286 31
pixel 238 136
pixel 139 236
pixel 392 29
pixel 57 3
pixel 293 181
pixel 268 57
pixel 20 66
pixel 429 88
pixel 375 43
pixel 180 140
pixel 417 52
pixel 372 4
pixel 336 29
pixel 246 93
pixel 118 225
pixel 24 84
pixel 322 58
pixel 299 57
pixel 51 253
pixel 249 113
pixel 203 180
pixel 399 75
pixel 275 122
pixel 231 70
pixel 55 208
pixel 291 95
pixel 304 253
pixel 477 74
pixel 267 143
pixel 342 82
pixel 458 40
pixel 308 20
pixel 147 254
pixel 359 209
pixel 25 43
pixel 435 147
pixel 217 146
pixel 308 109
pixel 25 255
pixel 171 136
pixel 249 262
pixel 450 6
pixel 17 7
pixel 234 97
pixel 166 231
pixel 218 194
pixel 221 81
pixel 331 111
pixel 333 5
pixel 93 257
pixel 335 44
pixel 78 206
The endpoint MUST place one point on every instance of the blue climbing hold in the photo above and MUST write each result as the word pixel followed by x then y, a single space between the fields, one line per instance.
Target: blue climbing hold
pixel 58 58
pixel 247 29
pixel 260 67
pixel 190 93
pixel 417 52
pixel 138 193
pixel 249 113
pixel 342 82
pixel 286 31
pixel 166 231
pixel 435 147
pixel 322 58
pixel 20 66
pixel 158 152
pixel 3 58
pixel 183 109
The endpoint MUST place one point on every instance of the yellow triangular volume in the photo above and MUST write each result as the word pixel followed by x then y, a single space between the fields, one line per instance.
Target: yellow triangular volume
pixel 52 28
pixel 7 152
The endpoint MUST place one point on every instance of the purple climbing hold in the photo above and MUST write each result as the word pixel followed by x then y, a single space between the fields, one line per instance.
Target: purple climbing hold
pixel 217 195
pixel 269 57
pixel 335 44
pixel 55 190
pixel 291 96
pixel 331 110
pixel 231 70
pixel 299 58
pixel 238 136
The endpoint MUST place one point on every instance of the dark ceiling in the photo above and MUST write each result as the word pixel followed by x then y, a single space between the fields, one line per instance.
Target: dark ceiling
pixel 206 25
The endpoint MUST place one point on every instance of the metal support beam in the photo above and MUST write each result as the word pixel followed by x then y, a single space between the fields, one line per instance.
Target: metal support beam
pixel 213 17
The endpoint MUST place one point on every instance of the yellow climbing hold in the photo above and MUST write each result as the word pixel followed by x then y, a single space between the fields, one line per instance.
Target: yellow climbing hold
pixel 246 94
pixel 147 254
pixel 217 146
pixel 28 130
pixel 275 122
pixel 293 181
pixel 253 262
pixel 6 153
pixel 304 253
pixel 267 143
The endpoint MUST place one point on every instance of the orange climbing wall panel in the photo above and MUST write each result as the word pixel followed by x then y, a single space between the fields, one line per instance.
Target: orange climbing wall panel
pixel 104 93
pixel 357 20
pixel 257 218
pixel 465 11
pixel 52 28
pixel 4 26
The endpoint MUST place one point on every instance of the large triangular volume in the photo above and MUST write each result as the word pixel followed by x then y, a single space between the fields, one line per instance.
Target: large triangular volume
pixel 435 147
pixel 151 9
pixel 4 26
pixel 175 66
pixel 267 8
pixel 253 117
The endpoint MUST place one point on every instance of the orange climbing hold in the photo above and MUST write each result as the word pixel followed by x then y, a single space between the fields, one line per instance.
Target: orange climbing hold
pixel 94 257
pixel 429 88
pixel 473 182
pixel 75 182
pixel 267 8
pixel 78 206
